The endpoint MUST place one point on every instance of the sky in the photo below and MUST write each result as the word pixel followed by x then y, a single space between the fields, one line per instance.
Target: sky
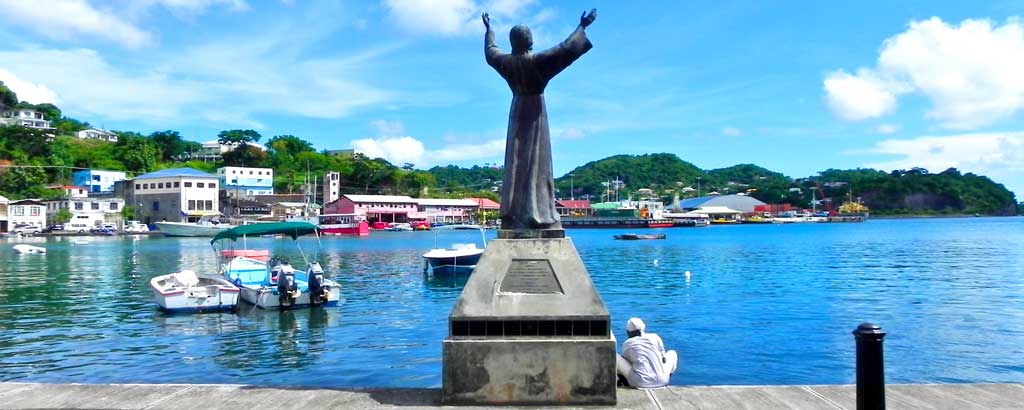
pixel 796 87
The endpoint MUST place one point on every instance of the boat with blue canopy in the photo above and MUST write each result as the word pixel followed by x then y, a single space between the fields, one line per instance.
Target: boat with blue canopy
pixel 273 282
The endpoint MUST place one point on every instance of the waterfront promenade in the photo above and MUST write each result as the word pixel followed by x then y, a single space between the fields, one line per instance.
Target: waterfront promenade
pixel 221 396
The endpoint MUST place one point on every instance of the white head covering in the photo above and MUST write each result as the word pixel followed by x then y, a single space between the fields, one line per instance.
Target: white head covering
pixel 635 324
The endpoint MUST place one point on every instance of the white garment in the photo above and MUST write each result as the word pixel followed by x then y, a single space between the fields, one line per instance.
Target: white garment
pixel 647 364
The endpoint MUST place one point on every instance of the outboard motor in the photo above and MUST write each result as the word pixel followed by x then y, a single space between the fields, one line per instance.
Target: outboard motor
pixel 287 289
pixel 319 292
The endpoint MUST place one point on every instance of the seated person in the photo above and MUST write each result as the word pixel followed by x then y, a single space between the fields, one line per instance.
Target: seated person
pixel 644 363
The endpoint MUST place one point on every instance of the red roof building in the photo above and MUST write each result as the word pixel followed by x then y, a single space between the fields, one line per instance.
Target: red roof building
pixel 574 207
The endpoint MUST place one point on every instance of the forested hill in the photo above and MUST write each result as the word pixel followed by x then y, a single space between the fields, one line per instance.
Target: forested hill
pixel 915 191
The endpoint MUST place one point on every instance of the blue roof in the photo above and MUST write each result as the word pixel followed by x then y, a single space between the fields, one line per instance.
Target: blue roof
pixel 176 172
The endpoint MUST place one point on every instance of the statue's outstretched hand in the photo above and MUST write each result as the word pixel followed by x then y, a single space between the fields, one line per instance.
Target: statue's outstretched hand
pixel 588 19
pixel 487 20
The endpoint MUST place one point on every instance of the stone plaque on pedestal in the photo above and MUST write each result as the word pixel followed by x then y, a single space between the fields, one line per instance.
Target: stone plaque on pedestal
pixel 529 328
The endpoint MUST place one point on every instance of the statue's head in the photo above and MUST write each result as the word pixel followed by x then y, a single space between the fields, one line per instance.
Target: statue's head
pixel 521 39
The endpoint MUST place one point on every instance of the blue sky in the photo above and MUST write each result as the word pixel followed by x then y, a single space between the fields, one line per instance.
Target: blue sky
pixel 796 87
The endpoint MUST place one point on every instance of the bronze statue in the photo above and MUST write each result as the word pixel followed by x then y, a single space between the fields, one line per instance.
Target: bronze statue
pixel 528 191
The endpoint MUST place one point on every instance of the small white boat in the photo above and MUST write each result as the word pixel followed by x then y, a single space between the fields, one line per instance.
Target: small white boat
pixel 28 249
pixel 208 226
pixel 460 258
pixel 187 292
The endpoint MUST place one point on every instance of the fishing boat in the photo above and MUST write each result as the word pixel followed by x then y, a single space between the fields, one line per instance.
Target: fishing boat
pixel 186 291
pixel 633 236
pixel 276 283
pixel 399 227
pixel 206 226
pixel 28 249
pixel 459 258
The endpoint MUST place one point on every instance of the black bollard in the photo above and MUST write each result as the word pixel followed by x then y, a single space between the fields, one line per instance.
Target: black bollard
pixel 870 367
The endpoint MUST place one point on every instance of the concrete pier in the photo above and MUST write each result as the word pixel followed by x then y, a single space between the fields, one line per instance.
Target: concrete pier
pixel 242 397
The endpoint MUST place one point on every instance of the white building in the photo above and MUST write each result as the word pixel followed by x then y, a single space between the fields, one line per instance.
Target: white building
pixel 26 211
pixel 97 181
pixel 26 118
pixel 213 150
pixel 71 191
pixel 332 187
pixel 245 181
pixel 3 213
pixel 97 134
pixel 87 213
pixel 174 195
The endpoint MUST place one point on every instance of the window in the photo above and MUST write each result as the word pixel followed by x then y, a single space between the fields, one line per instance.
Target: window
pixel 199 185
pixel 78 206
pixel 95 177
pixel 250 172
pixel 213 185
pixel 191 205
pixel 95 206
pixel 138 186
pixel 177 184
pixel 209 205
pixel 156 205
pixel 188 185
pixel 35 211
pixel 113 206
pixel 160 185
pixel 19 211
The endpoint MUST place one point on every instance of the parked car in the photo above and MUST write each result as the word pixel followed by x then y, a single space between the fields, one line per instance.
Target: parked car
pixel 135 227
pixel 55 228
pixel 104 227
pixel 26 229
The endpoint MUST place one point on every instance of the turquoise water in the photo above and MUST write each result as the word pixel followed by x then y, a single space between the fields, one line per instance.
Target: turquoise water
pixel 764 304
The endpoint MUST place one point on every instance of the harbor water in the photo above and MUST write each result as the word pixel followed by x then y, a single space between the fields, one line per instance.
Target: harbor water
pixel 763 304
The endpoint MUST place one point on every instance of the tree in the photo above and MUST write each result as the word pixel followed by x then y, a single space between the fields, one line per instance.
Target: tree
pixel 62 216
pixel 238 137
pixel 8 98
pixel 170 144
pixel 244 156
pixel 138 153
pixel 288 144
pixel 128 213
pixel 23 182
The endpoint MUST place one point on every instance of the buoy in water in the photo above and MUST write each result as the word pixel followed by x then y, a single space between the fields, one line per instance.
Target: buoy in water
pixel 655 262
pixel 687 276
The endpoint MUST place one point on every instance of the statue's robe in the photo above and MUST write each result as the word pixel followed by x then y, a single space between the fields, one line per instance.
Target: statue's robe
pixel 528 191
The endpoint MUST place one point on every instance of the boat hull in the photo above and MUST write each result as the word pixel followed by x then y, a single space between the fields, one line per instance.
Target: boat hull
pixel 459 264
pixel 190 230
pixel 611 223
pixel 267 297
pixel 346 229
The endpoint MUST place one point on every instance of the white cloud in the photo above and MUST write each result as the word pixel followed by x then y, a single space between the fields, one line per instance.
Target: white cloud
pixel 998 155
pixel 731 132
pixel 388 128
pixel 35 93
pixel 858 97
pixel 399 150
pixel 194 6
pixel 449 18
pixel 572 133
pixel 68 19
pixel 970 72
pixel 887 128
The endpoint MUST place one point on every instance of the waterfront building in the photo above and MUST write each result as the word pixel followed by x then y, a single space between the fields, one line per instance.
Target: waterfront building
pixel 3 213
pixel 286 210
pixel 332 187
pixel 377 208
pixel 25 117
pixel 71 191
pixel 487 210
pixel 445 210
pixel 97 134
pixel 245 181
pixel 27 211
pixel 743 203
pixel 243 207
pixel 574 207
pixel 97 181
pixel 87 213
pixel 174 195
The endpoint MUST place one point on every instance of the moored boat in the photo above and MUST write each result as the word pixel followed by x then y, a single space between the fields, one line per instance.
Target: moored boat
pixel 205 227
pixel 276 283
pixel 29 249
pixel 344 224
pixel 186 291
pixel 459 258
pixel 634 236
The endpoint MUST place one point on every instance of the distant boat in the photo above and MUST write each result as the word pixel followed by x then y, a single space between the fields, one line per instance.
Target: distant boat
pixel 29 249
pixel 206 227
pixel 186 291
pixel 633 236
pixel 459 258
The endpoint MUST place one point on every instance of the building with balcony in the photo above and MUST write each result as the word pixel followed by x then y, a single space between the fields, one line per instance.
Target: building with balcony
pixel 28 212
pixel 245 181
pixel 377 208
pixel 446 210
pixel 25 117
pixel 87 213
pixel 97 134
pixel 174 195
pixel 97 181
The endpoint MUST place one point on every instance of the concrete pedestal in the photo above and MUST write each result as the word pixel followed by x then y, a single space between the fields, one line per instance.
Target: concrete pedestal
pixel 529 328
